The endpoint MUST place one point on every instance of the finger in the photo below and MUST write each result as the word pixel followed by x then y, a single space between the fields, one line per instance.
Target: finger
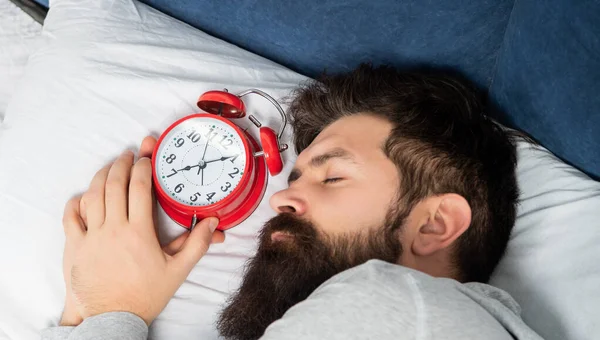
pixel 193 248
pixel 140 194
pixel 94 199
pixel 72 223
pixel 147 147
pixel 83 212
pixel 173 247
pixel 217 237
pixel 117 184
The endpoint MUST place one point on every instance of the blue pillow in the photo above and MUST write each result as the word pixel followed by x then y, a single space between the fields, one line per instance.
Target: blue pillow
pixel 313 35
pixel 548 77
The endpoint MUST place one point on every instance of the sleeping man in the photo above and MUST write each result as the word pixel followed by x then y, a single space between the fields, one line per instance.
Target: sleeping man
pixel 399 207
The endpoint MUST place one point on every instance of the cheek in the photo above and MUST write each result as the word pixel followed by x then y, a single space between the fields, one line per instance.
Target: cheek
pixel 350 210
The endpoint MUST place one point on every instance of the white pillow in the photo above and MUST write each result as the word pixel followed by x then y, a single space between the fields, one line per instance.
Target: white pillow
pixel 552 263
pixel 113 71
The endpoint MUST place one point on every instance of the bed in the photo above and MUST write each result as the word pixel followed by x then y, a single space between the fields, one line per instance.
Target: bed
pixel 106 73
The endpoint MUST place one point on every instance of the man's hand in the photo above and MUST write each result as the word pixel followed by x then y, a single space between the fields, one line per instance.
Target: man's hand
pixel 113 260
pixel 71 221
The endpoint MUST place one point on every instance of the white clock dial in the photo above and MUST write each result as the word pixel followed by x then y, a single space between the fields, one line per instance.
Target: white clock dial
pixel 200 161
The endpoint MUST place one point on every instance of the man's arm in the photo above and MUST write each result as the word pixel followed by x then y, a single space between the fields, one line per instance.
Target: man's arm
pixel 107 326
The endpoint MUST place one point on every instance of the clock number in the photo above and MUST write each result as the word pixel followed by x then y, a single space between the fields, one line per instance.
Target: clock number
pixel 232 174
pixel 194 136
pixel 179 142
pixel 234 158
pixel 210 195
pixel 173 173
pixel 226 186
pixel 195 197
pixel 226 143
pixel 211 135
pixel 179 187
pixel 171 158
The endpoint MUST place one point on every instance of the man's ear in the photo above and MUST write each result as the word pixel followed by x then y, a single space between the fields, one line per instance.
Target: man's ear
pixel 449 217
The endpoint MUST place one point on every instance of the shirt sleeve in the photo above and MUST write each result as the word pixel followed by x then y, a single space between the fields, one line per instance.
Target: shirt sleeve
pixel 107 326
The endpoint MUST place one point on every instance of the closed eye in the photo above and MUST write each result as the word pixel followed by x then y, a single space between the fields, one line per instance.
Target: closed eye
pixel 332 180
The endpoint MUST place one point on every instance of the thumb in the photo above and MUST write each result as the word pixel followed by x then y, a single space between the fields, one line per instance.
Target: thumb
pixel 195 246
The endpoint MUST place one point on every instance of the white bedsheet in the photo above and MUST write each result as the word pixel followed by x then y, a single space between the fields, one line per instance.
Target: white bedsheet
pixel 19 35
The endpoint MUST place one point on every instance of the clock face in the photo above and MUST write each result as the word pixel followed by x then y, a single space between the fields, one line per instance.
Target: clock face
pixel 200 161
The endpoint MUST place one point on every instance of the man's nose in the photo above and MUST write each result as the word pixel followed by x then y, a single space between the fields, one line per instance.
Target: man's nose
pixel 289 201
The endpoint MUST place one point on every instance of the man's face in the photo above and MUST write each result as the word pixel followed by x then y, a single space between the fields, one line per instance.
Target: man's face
pixel 334 215
pixel 343 183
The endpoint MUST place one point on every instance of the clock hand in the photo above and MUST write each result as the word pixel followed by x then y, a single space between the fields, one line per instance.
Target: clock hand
pixel 219 159
pixel 175 172
pixel 203 154
pixel 203 164
pixel 189 167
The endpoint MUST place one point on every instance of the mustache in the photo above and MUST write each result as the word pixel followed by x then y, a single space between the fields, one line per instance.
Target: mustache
pixel 302 230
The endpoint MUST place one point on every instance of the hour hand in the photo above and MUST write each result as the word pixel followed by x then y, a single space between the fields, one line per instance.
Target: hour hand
pixel 187 168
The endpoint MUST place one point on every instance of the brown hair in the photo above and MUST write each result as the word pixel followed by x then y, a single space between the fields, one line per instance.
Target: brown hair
pixel 441 142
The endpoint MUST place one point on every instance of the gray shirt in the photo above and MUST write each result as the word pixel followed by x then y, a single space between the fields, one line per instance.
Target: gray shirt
pixel 376 300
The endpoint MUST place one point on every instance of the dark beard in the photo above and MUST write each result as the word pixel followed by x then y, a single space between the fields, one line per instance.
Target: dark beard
pixel 286 272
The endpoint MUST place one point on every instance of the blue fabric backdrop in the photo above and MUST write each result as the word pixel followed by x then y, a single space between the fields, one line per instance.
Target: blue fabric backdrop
pixel 548 74
pixel 310 36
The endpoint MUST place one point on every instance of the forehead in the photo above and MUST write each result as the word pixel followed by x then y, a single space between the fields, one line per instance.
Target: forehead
pixel 363 135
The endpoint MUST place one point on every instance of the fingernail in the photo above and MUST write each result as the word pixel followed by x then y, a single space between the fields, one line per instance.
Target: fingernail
pixel 213 223
pixel 127 153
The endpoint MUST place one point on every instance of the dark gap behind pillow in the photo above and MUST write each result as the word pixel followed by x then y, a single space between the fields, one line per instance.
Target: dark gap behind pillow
pixel 35 10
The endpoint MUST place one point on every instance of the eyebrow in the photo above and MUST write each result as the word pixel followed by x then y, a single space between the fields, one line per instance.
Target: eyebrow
pixel 320 160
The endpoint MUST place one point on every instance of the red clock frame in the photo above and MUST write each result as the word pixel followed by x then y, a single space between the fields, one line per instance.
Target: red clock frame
pixel 235 207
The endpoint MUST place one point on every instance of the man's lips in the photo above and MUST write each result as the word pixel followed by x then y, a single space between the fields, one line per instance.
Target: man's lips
pixel 277 236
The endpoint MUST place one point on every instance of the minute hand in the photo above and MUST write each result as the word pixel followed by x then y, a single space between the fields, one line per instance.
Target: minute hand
pixel 219 159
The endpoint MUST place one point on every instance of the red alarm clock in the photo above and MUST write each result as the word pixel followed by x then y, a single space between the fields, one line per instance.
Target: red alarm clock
pixel 204 165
